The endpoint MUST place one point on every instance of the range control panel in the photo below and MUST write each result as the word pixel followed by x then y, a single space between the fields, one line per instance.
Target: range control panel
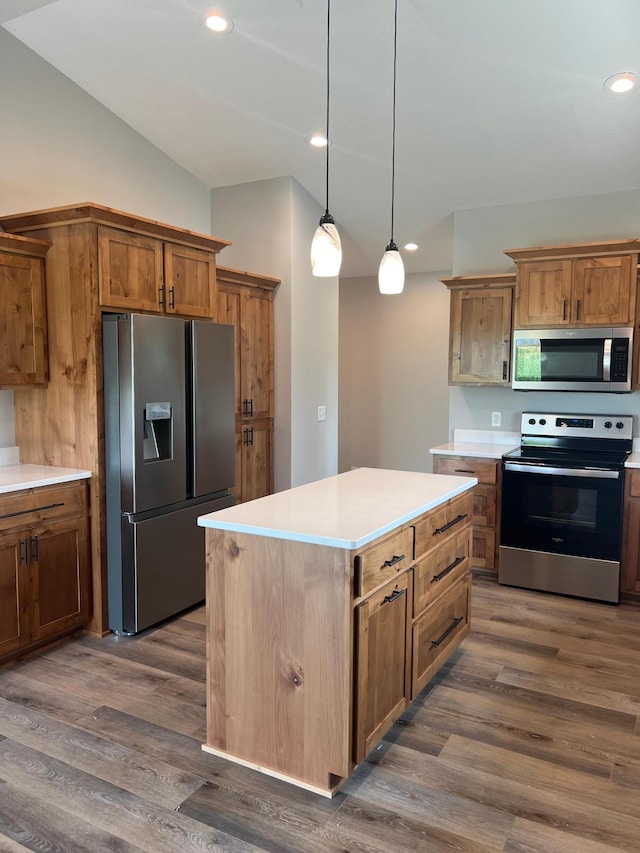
pixel 577 426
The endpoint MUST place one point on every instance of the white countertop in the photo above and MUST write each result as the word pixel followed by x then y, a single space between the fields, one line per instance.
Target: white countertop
pixel 16 477
pixel 485 444
pixel 633 461
pixel 345 511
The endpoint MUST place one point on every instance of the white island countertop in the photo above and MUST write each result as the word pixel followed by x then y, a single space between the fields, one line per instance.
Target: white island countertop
pixel 14 478
pixel 345 511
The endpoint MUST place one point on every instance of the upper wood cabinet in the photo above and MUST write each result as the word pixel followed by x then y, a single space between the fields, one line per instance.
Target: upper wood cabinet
pixel 139 273
pixel 23 321
pixel 480 329
pixel 578 285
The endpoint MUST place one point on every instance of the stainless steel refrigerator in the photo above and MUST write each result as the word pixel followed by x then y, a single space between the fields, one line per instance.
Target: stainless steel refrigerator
pixel 170 457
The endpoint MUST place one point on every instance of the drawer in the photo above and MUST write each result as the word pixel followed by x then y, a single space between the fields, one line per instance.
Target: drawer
pixel 438 632
pixel 633 475
pixel 45 503
pixel 484 506
pixel 486 470
pixel 438 571
pixel 440 523
pixel 383 560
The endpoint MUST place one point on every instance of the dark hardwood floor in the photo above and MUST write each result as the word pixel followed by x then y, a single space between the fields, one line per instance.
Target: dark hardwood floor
pixel 528 740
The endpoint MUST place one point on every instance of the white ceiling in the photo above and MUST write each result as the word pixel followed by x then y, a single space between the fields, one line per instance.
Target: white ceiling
pixel 498 101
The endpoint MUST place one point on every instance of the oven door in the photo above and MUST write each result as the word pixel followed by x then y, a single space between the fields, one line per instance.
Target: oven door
pixel 562 510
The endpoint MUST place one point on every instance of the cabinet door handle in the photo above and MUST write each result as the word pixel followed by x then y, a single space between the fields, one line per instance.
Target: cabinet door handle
pixel 452 627
pixel 251 407
pixel 577 309
pixel 393 561
pixel 34 543
pixel 172 297
pixel 446 571
pixel 161 290
pixel 564 309
pixel 504 369
pixel 395 594
pixel 245 437
pixel 456 520
pixel 24 556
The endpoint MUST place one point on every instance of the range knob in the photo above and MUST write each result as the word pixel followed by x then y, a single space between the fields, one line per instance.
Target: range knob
pixel 608 424
pixel 532 421
pixel 619 425
pixel 543 421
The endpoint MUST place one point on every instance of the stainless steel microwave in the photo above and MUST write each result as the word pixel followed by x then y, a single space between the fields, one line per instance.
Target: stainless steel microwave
pixel 572 359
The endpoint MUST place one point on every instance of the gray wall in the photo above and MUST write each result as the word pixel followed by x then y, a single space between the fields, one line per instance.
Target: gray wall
pixel 59 146
pixel 393 373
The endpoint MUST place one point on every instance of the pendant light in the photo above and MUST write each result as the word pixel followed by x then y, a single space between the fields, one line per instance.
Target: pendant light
pixel 326 250
pixel 391 270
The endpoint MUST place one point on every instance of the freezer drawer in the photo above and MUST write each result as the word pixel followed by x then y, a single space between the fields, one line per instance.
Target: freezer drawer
pixel 162 570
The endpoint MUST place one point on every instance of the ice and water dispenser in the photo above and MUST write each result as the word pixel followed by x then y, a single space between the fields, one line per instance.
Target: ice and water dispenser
pixel 158 432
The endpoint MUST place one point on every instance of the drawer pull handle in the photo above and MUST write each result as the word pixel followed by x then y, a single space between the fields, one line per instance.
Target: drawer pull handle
pixel 463 471
pixel 452 627
pixel 446 571
pixel 395 594
pixel 34 542
pixel 33 509
pixel 392 562
pixel 161 300
pixel 24 556
pixel 456 520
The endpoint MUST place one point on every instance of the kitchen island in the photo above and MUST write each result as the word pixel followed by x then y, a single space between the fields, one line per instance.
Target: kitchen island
pixel 329 607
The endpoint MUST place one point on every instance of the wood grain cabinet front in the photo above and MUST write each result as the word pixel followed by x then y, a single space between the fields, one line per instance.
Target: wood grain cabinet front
pixel 630 567
pixel 576 285
pixel 140 273
pixel 23 320
pixel 44 565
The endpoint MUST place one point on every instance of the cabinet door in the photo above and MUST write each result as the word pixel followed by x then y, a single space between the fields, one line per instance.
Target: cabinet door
pixel 23 353
pixel 14 588
pixel 130 271
pixel 228 311
pixel 480 336
pixel 60 572
pixel 630 569
pixel 438 632
pixel 383 658
pixel 543 294
pixel 256 355
pixel 190 279
pixel 257 475
pixel 604 290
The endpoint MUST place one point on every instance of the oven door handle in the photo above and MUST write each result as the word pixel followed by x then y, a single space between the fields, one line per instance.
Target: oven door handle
pixel 593 473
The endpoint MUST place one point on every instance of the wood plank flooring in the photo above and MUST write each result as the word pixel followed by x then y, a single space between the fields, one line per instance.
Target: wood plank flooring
pixel 528 740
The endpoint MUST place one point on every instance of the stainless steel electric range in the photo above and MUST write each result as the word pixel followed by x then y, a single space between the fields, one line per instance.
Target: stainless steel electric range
pixel 562 493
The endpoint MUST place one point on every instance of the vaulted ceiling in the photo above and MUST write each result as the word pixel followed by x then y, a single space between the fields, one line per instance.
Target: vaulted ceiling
pixel 498 101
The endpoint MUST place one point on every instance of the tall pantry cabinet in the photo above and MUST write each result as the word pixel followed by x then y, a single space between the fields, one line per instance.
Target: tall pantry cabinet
pixel 245 300
pixel 100 259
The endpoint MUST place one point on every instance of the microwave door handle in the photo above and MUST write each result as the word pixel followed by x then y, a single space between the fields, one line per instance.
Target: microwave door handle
pixel 606 360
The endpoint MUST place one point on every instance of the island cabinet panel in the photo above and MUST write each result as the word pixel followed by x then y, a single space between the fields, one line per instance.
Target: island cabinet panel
pixel 630 567
pixel 279 656
pixel 383 631
pixel 436 526
pixel 383 560
pixel 435 573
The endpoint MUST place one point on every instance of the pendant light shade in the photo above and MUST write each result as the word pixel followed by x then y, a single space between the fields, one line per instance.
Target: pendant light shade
pixel 391 270
pixel 326 250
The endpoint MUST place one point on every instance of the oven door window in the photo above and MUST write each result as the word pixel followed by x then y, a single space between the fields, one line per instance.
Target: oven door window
pixel 562 514
pixel 557 360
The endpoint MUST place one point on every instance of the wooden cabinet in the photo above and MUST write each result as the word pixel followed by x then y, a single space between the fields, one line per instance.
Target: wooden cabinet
pixel 23 320
pixel 480 329
pixel 630 568
pixel 140 273
pixel 245 301
pixel 94 248
pixel 383 636
pixel 577 285
pixel 484 517
pixel 44 565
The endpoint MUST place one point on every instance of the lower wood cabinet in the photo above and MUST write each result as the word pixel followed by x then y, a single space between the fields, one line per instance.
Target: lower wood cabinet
pixel 383 625
pixel 44 565
pixel 254 454
pixel 630 570
pixel 484 518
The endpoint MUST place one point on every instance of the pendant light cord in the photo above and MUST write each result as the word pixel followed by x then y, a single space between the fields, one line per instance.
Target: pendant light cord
pixel 328 42
pixel 393 131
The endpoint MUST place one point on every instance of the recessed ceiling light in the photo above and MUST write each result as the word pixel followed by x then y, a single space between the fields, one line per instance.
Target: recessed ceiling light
pixel 218 22
pixel 623 82
pixel 318 141
pixel 411 247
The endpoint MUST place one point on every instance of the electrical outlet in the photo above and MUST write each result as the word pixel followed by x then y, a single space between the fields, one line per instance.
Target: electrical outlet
pixel 322 413
pixel 496 418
